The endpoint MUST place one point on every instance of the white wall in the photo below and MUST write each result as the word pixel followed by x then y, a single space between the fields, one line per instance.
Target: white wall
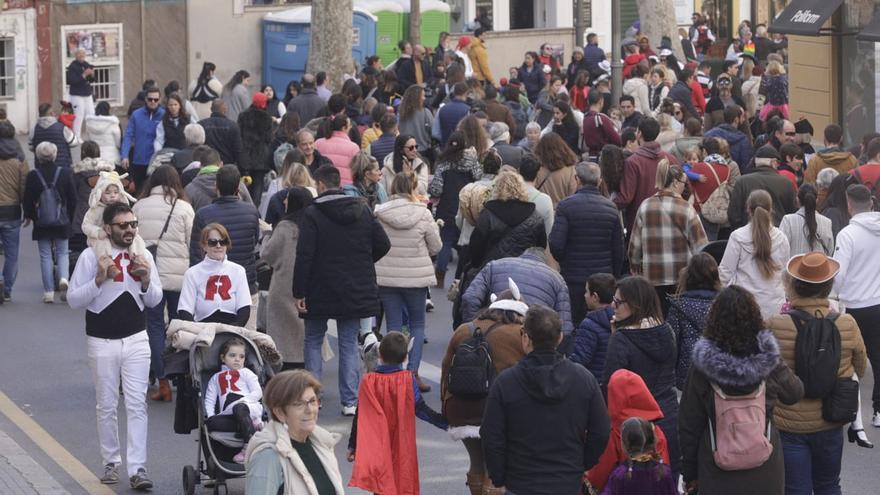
pixel 21 25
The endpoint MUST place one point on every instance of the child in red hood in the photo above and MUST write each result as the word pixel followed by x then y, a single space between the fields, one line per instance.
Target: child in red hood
pixel 67 116
pixel 628 396
pixel 632 58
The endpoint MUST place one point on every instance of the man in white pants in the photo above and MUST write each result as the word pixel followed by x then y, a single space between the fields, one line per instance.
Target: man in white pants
pixel 117 341
pixel 79 77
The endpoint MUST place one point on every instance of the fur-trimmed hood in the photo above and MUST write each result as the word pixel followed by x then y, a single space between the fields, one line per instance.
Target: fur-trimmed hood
pixel 92 165
pixel 733 371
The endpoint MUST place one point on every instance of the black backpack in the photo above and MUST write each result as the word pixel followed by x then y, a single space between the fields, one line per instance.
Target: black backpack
pixel 472 371
pixel 816 352
pixel 51 209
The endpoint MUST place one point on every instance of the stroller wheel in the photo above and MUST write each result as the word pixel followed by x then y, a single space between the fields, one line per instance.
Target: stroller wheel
pixel 190 480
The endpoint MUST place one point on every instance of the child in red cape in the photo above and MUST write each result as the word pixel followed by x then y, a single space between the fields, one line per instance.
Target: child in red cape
pixel 628 396
pixel 382 443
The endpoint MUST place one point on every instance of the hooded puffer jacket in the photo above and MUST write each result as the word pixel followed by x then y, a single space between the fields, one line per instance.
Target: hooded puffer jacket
pixel 736 375
pixel 506 229
pixel 172 255
pixel 628 397
pixel 738 267
pixel 741 150
pixel 687 318
pixel 105 131
pixel 805 416
pixel 414 238
pixel 591 340
pixel 649 351
pixel 340 150
pixel 256 134
pixel 841 160
pixel 339 243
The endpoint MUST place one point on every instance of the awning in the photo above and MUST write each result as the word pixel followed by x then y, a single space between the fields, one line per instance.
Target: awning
pixel 804 17
pixel 870 32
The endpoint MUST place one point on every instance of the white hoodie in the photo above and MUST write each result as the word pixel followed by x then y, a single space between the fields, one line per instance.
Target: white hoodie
pixel 857 283
pixel 104 130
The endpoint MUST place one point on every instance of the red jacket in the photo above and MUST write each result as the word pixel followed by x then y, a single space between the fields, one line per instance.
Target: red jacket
pixel 628 396
pixel 697 96
pixel 703 190
pixel 598 131
pixel 639 178
pixel 579 98
pixel 631 61
pixel 386 461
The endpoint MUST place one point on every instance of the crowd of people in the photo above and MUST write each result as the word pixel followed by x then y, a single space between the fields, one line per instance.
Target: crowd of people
pixel 641 292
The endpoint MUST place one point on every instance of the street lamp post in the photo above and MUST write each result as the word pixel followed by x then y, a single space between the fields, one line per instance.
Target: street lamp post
pixel 616 64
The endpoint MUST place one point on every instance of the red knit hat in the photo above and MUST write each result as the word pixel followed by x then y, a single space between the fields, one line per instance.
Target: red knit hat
pixel 464 41
pixel 260 100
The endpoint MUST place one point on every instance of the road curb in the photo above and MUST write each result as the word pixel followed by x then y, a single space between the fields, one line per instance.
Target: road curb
pixel 20 474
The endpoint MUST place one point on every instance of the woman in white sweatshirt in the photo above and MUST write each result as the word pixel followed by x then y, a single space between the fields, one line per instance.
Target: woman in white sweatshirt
pixel 215 290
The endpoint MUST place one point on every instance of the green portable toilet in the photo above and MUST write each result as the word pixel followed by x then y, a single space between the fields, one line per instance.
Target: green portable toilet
pixel 435 20
pixel 389 27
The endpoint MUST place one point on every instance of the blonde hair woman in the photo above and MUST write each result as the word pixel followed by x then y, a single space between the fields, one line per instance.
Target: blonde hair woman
pixel 775 85
pixel 756 255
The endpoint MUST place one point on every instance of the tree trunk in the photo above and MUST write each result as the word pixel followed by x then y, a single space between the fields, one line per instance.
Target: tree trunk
pixel 331 33
pixel 415 22
pixel 657 20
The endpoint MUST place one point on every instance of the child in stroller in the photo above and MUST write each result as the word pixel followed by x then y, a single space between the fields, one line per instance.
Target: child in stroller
pixel 238 391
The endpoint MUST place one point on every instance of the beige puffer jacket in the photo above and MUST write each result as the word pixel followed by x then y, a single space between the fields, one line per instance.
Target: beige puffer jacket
pixel 805 416
pixel 173 252
pixel 415 237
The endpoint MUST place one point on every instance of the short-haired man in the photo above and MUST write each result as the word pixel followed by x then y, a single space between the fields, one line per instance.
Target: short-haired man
pixel 384 144
pixel 740 145
pixel 452 113
pixel 591 339
pixel 766 177
pixel 856 283
pixel 240 218
pixel 308 104
pixel 202 189
pixel 334 277
pixel 79 76
pixel 222 133
pixel 593 55
pixel 140 134
pixel 117 342
pixel 13 176
pixel 833 156
pixel 480 57
pixel 640 171
pixel 321 88
pixel 545 422
pixel 869 173
pixel 413 70
pixel 631 116
pixel 681 93
pixel 598 128
pixel 587 236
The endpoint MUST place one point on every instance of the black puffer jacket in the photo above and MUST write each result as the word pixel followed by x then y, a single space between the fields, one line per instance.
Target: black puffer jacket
pixel 505 229
pixel 587 236
pixel 242 220
pixel 256 134
pixel 223 135
pixel 650 353
pixel 339 242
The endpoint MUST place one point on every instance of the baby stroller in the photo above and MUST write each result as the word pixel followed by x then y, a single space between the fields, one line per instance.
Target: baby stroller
pixel 218 447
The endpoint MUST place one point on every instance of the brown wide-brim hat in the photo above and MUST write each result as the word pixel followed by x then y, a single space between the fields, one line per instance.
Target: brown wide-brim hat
pixel 814 268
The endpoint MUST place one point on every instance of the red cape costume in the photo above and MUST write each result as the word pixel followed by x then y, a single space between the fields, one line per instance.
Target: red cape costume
pixel 386 461
pixel 628 397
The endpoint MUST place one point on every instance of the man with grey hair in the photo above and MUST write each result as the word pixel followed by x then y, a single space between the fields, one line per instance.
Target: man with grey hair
pixel 195 136
pixel 856 282
pixel 533 135
pixel 221 133
pixel 823 182
pixel 499 133
pixel 587 236
pixel 79 76
pixel 308 104
pixel 537 282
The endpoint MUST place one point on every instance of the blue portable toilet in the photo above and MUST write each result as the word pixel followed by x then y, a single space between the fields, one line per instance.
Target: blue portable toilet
pixel 286 39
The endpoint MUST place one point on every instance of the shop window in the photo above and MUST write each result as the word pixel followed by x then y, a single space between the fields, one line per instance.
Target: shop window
pixel 859 73
pixel 717 12
pixel 7 68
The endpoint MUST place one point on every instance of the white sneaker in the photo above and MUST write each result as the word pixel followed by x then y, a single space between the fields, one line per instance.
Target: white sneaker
pixel 49 297
pixel 369 341
pixel 349 410
pixel 429 305
pixel 62 289
pixel 876 419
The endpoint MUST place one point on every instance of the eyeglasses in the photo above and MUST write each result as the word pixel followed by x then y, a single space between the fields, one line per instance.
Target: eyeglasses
pixel 617 301
pixel 126 225
pixel 410 148
pixel 218 242
pixel 792 134
pixel 303 405
pixel 153 99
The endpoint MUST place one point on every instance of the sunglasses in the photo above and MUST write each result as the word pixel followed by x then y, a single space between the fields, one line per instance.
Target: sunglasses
pixel 126 225
pixel 410 148
pixel 217 242
pixel 153 99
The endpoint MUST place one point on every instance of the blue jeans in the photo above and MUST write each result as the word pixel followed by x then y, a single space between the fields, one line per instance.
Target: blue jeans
pixel 46 265
pixel 409 304
pixel 449 234
pixel 9 236
pixel 349 360
pixel 812 462
pixel 156 330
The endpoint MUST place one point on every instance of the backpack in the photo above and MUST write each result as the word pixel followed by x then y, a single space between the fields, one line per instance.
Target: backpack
pixel 816 353
pixel 714 209
pixel 51 209
pixel 740 438
pixel 280 154
pixel 203 94
pixel 874 188
pixel 471 372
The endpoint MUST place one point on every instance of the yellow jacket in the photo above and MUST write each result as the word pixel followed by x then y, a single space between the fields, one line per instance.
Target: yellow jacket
pixel 480 61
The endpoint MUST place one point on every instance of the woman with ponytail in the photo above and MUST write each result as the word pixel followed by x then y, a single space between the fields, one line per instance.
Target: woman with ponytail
pixel 237 95
pixel 667 231
pixel 806 229
pixel 756 255
pixel 338 147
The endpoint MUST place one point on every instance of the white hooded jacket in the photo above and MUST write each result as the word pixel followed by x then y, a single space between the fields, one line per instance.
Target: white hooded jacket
pixel 856 251
pixel 105 131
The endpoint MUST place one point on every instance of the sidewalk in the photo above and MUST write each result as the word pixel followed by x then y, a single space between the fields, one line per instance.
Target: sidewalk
pixel 21 475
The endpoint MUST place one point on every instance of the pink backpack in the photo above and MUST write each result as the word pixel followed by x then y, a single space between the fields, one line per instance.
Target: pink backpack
pixel 741 436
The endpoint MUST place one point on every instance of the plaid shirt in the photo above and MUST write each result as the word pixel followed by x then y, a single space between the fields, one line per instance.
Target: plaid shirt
pixel 666 233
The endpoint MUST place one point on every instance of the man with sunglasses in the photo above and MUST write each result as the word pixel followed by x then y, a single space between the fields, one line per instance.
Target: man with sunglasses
pixel 140 135
pixel 118 348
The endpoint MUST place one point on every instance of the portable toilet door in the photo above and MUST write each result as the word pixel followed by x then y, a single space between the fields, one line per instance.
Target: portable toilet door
pixel 389 27
pixel 363 36
pixel 286 39
pixel 435 20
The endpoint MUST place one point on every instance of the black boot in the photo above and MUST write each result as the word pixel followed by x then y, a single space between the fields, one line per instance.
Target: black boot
pixel 243 417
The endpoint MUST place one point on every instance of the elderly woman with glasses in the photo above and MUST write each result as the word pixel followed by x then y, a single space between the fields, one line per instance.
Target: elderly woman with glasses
pixel 292 454
pixel 215 290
